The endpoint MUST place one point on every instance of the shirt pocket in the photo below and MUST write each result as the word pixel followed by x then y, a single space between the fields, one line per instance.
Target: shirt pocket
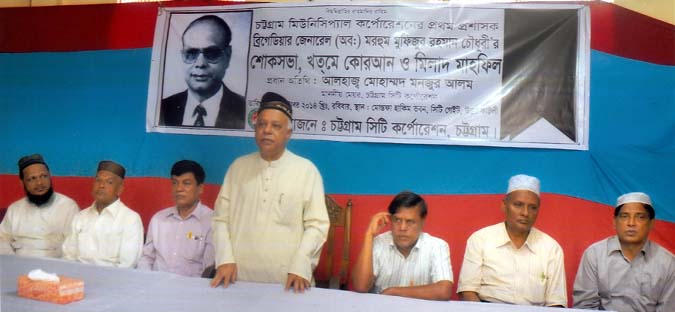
pixel 110 246
pixel 535 289
pixel 536 295
pixel 648 285
pixel 288 208
pixel 86 245
pixel 193 248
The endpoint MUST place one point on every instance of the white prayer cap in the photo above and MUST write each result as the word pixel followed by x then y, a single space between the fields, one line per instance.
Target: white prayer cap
pixel 523 182
pixel 634 197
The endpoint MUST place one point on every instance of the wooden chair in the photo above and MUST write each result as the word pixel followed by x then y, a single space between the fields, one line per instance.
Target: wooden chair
pixel 339 217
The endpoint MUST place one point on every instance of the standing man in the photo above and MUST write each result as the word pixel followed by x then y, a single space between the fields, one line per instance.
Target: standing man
pixel 107 233
pixel 207 102
pixel 270 219
pixel 627 272
pixel 513 262
pixel 404 261
pixel 37 224
pixel 179 237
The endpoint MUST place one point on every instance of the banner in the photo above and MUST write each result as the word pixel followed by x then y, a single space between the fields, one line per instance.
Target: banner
pixel 497 75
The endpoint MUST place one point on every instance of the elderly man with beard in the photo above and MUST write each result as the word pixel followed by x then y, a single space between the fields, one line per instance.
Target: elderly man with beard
pixel 37 224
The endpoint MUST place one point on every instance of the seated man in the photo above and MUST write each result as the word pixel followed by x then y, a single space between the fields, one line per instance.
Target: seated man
pixel 107 233
pixel 627 272
pixel 37 224
pixel 512 261
pixel 404 261
pixel 179 237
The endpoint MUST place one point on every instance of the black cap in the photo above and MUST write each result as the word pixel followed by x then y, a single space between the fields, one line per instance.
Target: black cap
pixel 109 165
pixel 271 100
pixel 26 161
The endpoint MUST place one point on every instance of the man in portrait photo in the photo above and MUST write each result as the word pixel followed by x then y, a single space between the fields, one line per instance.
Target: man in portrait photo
pixel 207 102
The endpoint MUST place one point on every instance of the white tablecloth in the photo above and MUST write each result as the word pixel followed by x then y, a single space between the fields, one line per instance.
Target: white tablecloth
pixel 118 290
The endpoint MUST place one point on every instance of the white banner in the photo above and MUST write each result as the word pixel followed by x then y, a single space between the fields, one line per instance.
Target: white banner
pixel 432 74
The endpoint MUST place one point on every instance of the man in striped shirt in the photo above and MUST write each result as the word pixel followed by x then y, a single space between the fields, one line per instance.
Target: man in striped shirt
pixel 404 261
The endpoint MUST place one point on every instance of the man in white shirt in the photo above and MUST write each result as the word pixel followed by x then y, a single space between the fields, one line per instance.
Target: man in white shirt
pixel 404 261
pixel 270 219
pixel 37 224
pixel 107 233
pixel 513 262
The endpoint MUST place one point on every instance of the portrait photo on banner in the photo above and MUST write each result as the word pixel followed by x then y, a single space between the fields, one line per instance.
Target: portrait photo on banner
pixel 202 78
pixel 377 73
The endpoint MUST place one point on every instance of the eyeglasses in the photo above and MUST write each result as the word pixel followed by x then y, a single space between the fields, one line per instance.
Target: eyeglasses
pixel 211 54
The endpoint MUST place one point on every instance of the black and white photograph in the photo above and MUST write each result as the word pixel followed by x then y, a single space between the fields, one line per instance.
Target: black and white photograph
pixel 204 72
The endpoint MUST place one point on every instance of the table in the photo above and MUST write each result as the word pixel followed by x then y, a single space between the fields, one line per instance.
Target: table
pixel 118 290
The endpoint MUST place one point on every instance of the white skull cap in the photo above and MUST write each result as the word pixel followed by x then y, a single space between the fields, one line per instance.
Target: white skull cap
pixel 523 182
pixel 634 197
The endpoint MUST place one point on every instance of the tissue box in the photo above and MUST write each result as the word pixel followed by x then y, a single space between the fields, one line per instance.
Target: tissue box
pixel 65 291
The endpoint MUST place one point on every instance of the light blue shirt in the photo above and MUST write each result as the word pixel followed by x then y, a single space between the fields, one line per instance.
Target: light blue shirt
pixel 177 245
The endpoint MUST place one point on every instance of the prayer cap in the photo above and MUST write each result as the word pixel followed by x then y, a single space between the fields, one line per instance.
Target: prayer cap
pixel 271 100
pixel 634 197
pixel 523 182
pixel 30 160
pixel 109 165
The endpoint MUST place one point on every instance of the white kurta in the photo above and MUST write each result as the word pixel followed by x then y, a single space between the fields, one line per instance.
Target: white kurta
pixel 270 218
pixel 29 230
pixel 112 238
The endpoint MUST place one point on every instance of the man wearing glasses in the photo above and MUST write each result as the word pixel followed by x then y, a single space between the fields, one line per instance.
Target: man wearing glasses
pixel 627 272
pixel 270 219
pixel 404 261
pixel 207 102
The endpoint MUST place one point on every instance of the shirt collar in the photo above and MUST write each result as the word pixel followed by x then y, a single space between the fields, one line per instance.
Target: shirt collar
pixel 111 209
pixel 613 245
pixel 504 238
pixel 529 242
pixel 646 248
pixel 418 244
pixel 212 106
pixel 196 213
pixel 275 163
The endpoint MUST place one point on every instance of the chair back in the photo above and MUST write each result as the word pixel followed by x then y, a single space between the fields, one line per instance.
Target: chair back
pixel 339 217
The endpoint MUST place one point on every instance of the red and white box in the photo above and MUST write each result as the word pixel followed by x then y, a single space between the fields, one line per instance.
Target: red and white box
pixel 66 290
